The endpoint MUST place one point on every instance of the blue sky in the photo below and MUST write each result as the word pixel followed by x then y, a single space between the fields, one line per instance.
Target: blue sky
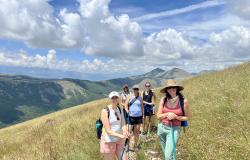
pixel 111 38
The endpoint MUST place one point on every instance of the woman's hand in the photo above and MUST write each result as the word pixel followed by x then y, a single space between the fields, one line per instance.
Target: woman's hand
pixel 122 136
pixel 126 133
pixel 170 116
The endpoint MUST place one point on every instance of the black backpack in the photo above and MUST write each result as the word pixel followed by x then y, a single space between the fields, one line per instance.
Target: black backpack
pixel 99 124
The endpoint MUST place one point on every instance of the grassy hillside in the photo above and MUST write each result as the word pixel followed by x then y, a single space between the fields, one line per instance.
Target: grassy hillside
pixel 219 125
pixel 24 98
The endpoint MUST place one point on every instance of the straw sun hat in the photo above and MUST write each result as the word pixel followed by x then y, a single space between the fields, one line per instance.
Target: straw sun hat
pixel 169 84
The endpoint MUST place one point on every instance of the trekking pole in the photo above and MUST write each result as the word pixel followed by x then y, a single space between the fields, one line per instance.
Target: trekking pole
pixel 129 134
pixel 123 150
pixel 173 140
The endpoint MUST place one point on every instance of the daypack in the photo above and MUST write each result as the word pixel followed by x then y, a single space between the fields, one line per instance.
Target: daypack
pixel 183 123
pixel 99 124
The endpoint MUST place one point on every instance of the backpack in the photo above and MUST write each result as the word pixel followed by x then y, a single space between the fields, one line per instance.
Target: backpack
pixel 183 123
pixel 99 124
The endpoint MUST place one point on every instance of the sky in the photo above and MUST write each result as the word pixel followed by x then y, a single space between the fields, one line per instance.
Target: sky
pixel 102 39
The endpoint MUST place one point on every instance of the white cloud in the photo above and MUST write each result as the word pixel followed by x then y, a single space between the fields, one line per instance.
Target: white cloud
pixel 168 44
pixel 240 8
pixel 168 13
pixel 233 42
pixel 108 35
pixel 31 22
pixel 96 31
pixel 93 29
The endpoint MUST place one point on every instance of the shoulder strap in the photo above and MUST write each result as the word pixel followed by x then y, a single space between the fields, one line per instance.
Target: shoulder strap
pixel 133 101
pixel 164 101
pixel 182 105
pixel 119 109
pixel 107 109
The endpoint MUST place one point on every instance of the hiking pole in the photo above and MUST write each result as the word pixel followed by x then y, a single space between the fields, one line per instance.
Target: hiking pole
pixel 123 150
pixel 173 141
pixel 129 134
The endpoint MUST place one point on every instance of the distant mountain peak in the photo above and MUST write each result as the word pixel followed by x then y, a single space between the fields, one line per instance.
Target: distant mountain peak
pixel 158 70
pixel 154 72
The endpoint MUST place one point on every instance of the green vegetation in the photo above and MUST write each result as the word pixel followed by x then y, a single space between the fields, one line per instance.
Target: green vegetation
pixel 24 98
pixel 218 128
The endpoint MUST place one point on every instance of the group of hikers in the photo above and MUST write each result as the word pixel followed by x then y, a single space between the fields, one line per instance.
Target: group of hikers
pixel 129 115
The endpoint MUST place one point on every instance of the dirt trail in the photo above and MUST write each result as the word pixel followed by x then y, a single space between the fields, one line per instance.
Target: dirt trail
pixel 150 154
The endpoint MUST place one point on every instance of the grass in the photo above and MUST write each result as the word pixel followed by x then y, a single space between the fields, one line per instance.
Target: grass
pixel 218 128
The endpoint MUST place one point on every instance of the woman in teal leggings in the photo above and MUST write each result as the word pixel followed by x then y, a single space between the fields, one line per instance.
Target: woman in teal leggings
pixel 170 115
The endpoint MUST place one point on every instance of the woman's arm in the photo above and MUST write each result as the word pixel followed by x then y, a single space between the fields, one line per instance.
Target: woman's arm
pixel 105 121
pixel 127 103
pixel 121 101
pixel 186 111
pixel 124 126
pixel 142 107
pixel 161 115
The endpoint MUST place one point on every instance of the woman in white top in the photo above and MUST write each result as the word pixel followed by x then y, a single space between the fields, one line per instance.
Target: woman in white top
pixel 115 131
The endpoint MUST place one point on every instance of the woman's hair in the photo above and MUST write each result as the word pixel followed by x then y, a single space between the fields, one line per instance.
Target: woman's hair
pixel 126 90
pixel 178 93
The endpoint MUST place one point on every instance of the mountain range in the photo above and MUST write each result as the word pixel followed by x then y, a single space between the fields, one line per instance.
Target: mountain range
pixel 24 97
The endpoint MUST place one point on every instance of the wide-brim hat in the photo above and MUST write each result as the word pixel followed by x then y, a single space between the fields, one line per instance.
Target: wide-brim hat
pixel 113 94
pixel 171 83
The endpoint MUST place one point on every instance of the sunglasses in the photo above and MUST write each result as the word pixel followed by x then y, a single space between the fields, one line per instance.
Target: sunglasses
pixel 147 86
pixel 136 89
pixel 117 117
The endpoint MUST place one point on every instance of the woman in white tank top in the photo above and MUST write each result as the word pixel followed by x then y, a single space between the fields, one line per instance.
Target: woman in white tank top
pixel 114 131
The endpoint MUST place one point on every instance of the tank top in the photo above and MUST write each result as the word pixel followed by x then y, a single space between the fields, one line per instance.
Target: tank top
pixel 177 110
pixel 124 97
pixel 115 125
pixel 148 97
pixel 135 109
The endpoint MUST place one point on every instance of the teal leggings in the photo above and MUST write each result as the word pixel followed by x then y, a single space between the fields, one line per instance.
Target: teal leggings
pixel 165 136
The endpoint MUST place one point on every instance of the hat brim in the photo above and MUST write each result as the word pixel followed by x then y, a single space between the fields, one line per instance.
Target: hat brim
pixel 163 90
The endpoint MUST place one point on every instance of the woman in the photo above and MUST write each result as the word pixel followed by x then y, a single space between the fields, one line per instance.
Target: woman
pixel 123 99
pixel 170 115
pixel 149 98
pixel 115 131
pixel 134 106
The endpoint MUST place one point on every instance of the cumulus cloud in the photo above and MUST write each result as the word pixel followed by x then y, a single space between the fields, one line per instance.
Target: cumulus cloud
pixel 33 23
pixel 168 44
pixel 240 8
pixel 96 31
pixel 108 35
pixel 233 42
pixel 93 29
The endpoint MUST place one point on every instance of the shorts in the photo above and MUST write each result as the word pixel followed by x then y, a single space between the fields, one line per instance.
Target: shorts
pixel 111 147
pixel 135 120
pixel 148 110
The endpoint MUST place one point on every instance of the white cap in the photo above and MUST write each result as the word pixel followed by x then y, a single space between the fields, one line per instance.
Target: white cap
pixel 113 94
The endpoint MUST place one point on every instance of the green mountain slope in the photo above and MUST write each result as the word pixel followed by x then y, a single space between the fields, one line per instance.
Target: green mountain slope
pixel 218 128
pixel 23 98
